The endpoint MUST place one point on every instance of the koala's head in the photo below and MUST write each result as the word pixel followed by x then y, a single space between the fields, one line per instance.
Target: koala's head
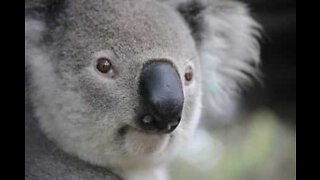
pixel 120 82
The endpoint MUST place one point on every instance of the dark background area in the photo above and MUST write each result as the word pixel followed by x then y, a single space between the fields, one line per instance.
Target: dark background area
pixel 278 53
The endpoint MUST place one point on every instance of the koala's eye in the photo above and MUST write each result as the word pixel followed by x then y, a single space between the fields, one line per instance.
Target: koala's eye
pixel 104 65
pixel 188 73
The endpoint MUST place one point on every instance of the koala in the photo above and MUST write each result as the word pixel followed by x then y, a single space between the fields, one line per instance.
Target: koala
pixel 114 88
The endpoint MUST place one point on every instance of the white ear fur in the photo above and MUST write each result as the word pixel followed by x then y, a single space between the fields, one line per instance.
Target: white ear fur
pixel 226 38
pixel 230 55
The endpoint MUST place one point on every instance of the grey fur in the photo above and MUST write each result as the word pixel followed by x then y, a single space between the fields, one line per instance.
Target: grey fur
pixel 82 111
pixel 45 161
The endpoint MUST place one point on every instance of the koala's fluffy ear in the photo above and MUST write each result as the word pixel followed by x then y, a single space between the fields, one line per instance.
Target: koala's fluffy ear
pixel 226 38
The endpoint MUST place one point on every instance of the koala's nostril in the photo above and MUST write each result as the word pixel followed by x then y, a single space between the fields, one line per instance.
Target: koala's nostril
pixel 162 94
pixel 147 123
pixel 153 124
pixel 147 119
pixel 172 125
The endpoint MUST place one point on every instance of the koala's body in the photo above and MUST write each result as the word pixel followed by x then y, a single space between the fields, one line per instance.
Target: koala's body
pixel 121 84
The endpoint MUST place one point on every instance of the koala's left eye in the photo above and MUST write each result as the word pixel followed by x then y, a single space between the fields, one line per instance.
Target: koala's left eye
pixel 104 65
pixel 188 74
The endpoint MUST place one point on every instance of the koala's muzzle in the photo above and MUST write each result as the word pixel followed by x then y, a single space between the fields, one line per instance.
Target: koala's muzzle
pixel 162 94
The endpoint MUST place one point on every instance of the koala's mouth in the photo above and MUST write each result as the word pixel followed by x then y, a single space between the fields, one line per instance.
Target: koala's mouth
pixel 143 142
pixel 125 129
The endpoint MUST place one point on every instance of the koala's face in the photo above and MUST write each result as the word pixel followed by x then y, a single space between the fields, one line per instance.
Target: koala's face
pixel 128 85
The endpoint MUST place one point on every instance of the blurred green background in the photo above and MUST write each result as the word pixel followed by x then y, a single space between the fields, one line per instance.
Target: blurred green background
pixel 259 147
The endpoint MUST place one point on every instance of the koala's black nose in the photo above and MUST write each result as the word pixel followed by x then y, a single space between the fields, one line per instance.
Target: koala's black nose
pixel 162 94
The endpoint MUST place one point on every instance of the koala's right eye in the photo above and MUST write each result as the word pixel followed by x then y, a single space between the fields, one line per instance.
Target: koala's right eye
pixel 104 66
